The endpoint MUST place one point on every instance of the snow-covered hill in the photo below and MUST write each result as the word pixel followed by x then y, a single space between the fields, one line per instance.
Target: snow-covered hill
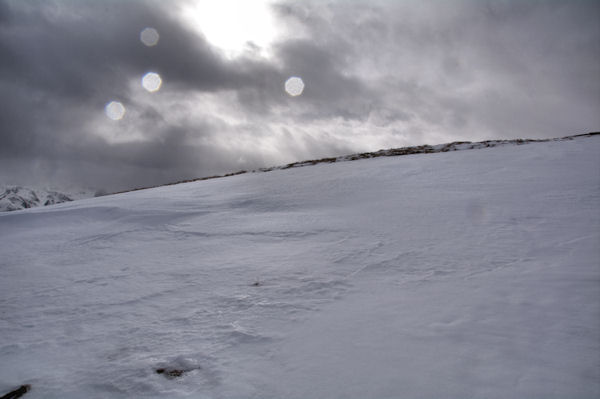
pixel 392 152
pixel 455 275
pixel 14 198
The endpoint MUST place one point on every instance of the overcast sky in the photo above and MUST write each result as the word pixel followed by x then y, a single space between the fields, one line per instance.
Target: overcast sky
pixel 377 74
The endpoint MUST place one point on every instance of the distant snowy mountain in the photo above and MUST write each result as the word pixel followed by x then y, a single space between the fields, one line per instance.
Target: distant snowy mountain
pixel 14 198
pixel 459 274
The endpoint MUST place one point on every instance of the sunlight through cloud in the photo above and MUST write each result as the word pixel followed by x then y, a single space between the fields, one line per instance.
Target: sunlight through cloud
pixel 115 110
pixel 294 86
pixel 149 36
pixel 231 24
pixel 151 82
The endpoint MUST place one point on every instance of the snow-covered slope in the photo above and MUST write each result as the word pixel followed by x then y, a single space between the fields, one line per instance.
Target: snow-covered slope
pixel 456 275
pixel 13 198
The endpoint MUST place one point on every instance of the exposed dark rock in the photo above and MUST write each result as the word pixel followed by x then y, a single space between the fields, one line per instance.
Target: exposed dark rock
pixel 171 373
pixel 17 393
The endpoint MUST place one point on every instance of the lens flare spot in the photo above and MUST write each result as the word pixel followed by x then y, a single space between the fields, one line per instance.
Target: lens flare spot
pixel 151 82
pixel 149 36
pixel 294 86
pixel 115 110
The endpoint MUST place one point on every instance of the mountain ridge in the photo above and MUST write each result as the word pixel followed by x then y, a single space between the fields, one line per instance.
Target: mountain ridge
pixel 400 151
pixel 19 197
pixel 14 197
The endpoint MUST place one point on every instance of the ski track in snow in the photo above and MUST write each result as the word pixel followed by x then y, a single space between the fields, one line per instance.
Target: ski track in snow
pixel 468 274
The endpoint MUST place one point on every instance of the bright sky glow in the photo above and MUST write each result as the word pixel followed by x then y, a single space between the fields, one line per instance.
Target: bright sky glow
pixel 149 37
pixel 115 110
pixel 294 86
pixel 230 24
pixel 151 82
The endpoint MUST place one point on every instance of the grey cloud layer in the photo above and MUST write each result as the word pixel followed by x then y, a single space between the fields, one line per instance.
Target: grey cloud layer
pixel 498 66
pixel 62 61
pixel 377 73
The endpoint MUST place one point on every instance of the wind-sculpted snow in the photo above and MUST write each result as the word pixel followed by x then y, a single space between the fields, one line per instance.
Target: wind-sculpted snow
pixel 457 274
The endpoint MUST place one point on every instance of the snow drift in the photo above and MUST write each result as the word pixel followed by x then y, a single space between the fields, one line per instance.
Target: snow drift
pixel 456 274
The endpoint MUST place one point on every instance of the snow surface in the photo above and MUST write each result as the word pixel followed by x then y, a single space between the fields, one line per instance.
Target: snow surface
pixel 464 274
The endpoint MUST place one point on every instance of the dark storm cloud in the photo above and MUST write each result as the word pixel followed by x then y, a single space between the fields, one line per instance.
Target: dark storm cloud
pixel 377 73
pixel 74 48
pixel 81 50
pixel 61 59
pixel 506 67
pixel 64 60
pixel 329 92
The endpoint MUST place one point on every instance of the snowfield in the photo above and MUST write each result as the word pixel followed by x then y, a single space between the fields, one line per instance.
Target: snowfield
pixel 469 274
